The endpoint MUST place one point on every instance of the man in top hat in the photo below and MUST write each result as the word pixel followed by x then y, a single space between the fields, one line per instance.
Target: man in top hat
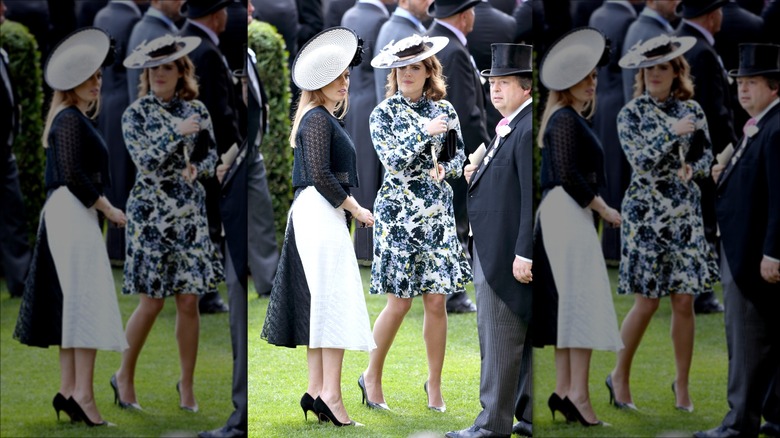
pixel 207 19
pixel 702 20
pixel 748 212
pixel 500 208
pixel 454 19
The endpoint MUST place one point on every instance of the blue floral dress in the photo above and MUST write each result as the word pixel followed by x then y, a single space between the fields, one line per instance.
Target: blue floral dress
pixel 663 246
pixel 168 246
pixel 416 249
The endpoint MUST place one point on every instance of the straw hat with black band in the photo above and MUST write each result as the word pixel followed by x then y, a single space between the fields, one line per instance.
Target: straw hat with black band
pixel 656 51
pixel 448 8
pixel 572 57
pixel 159 51
pixel 409 50
pixel 758 60
pixel 77 57
pixel 325 57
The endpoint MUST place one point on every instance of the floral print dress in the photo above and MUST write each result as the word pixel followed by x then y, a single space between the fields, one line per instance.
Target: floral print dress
pixel 416 249
pixel 663 246
pixel 168 246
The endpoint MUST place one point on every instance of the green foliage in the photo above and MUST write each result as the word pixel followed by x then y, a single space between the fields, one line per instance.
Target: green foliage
pixel 25 70
pixel 277 153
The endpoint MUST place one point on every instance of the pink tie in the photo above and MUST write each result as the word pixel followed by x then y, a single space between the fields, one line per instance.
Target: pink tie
pixel 501 123
pixel 751 122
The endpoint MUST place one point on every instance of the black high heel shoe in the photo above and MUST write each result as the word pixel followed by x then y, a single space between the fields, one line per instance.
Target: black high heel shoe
pixel 193 409
pixel 60 403
pixel 555 403
pixel 77 412
pixel 307 404
pixel 325 414
pixel 118 400
pixel 442 408
pixel 613 400
pixel 366 401
pixel 569 405
pixel 680 407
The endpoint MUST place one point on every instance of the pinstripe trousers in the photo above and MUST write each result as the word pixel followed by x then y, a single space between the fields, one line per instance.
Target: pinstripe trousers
pixel 501 337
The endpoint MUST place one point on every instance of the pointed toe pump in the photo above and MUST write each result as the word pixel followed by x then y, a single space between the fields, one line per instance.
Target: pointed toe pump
pixel 60 403
pixel 366 401
pixel 118 400
pixel 613 400
pixel 442 408
pixel 325 414
pixel 680 407
pixel 307 404
pixel 74 407
pixel 192 409
pixel 555 403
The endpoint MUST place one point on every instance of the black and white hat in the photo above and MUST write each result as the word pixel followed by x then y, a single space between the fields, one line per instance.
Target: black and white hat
pixel 572 57
pixel 656 51
pixel 408 51
pixel 76 58
pixel 324 57
pixel 159 51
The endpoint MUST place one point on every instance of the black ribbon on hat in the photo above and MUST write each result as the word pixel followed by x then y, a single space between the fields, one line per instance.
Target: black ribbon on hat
pixel 358 58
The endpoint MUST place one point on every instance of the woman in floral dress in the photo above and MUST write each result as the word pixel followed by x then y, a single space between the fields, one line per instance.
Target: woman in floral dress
pixel 664 252
pixel 416 250
pixel 169 253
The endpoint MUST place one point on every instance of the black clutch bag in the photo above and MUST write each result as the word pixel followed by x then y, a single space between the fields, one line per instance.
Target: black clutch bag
pixel 201 149
pixel 450 146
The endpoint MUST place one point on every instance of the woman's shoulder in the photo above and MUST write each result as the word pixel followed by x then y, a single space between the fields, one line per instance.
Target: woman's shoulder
pixel 566 116
pixel 69 114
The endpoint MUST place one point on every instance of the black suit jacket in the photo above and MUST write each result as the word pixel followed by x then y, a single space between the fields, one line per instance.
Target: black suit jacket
pixel 500 207
pixel 748 210
pixel 711 88
pixel 771 16
pixel 217 90
pixel 394 29
pixel 464 89
pixel 233 211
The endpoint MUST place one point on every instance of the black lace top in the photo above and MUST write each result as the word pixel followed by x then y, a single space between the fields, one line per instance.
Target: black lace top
pixel 324 156
pixel 572 157
pixel 76 157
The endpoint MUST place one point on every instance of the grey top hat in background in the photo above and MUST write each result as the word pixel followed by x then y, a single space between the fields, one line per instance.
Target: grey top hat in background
pixel 509 59
pixel 696 8
pixel 324 57
pixel 656 51
pixel 409 50
pixel 448 8
pixel 572 57
pixel 201 8
pixel 758 60
pixel 159 51
pixel 76 58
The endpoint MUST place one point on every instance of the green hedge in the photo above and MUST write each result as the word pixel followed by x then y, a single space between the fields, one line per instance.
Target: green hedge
pixel 25 68
pixel 277 153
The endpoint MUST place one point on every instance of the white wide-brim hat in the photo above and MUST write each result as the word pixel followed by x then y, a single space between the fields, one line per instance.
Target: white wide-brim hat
pixel 324 57
pixel 409 50
pixel 159 51
pixel 656 51
pixel 571 58
pixel 76 58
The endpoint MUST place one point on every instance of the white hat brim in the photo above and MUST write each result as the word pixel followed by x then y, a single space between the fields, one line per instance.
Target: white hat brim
pixel 635 58
pixel 324 57
pixel 571 58
pixel 76 58
pixel 140 57
pixel 387 60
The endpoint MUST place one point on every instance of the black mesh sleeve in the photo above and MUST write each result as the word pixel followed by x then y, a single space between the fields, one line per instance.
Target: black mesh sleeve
pixel 562 139
pixel 69 138
pixel 315 137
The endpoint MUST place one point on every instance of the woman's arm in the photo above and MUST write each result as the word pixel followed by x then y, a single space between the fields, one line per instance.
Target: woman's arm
pixel 397 148
pixel 150 145
pixel 645 136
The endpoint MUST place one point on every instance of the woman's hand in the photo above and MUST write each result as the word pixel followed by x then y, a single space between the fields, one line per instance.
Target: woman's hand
pixel 190 173
pixel 611 215
pixel 364 216
pixel 437 125
pixel 116 216
pixel 685 173
pixel 437 176
pixel 188 126
pixel 685 125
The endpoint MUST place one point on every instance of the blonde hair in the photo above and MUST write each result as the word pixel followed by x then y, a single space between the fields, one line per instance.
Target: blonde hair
pixel 312 99
pixel 435 87
pixel 682 85
pixel 557 100
pixel 186 87
pixel 64 99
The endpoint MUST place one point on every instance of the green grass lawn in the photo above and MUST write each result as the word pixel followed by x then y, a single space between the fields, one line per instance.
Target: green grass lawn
pixel 29 379
pixel 278 376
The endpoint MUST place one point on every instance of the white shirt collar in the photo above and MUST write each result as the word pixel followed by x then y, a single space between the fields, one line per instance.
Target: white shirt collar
pixel 766 110
pixel 208 31
pixel 454 30
pixel 520 108
pixel 378 4
pixel 707 35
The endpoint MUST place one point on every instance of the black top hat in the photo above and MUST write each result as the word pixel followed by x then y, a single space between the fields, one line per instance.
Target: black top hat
pixel 448 8
pixel 758 60
pixel 201 8
pixel 510 59
pixel 696 8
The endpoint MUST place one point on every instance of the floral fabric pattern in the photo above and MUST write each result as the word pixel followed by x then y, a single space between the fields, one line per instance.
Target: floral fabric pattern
pixel 169 250
pixel 663 246
pixel 416 249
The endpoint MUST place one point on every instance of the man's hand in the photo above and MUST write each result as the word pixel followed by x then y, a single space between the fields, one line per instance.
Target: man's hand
pixel 770 271
pixel 468 171
pixel 221 171
pixel 521 270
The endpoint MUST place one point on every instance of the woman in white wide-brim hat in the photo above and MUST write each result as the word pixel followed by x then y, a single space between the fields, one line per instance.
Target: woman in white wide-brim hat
pixel 170 138
pixel 317 296
pixel 573 307
pixel 664 135
pixel 69 298
pixel 416 249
